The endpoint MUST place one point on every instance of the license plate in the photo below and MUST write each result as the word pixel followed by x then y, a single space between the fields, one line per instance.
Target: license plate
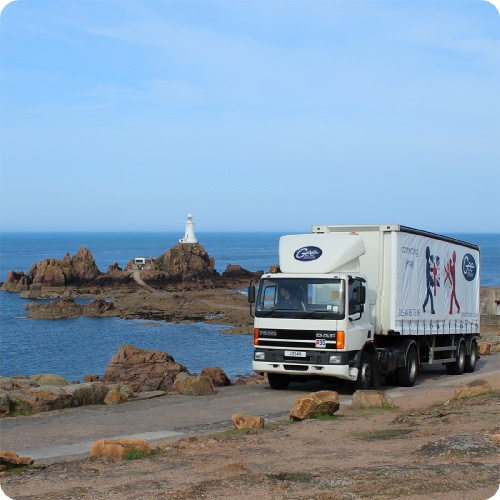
pixel 295 354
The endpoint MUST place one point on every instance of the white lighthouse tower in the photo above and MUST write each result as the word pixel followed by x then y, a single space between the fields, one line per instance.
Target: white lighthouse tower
pixel 189 237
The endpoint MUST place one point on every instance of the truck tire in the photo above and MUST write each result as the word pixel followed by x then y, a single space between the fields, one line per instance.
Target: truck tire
pixel 278 381
pixel 471 359
pixel 457 367
pixel 365 380
pixel 407 375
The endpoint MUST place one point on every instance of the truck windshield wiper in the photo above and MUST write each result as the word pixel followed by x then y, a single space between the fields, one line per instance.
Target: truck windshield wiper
pixel 320 314
pixel 268 313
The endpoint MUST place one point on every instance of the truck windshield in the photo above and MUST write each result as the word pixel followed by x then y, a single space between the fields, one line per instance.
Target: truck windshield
pixel 316 298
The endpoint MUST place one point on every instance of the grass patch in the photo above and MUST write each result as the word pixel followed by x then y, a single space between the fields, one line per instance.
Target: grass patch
pixel 324 416
pixel 382 434
pixel 20 407
pixel 134 454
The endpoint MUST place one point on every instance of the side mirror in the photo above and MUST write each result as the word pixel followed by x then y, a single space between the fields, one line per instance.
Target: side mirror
pixel 362 295
pixel 251 294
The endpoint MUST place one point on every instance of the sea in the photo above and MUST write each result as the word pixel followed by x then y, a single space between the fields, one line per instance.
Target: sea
pixel 73 348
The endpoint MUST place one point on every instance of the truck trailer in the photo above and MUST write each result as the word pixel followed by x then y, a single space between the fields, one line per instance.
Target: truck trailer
pixel 366 302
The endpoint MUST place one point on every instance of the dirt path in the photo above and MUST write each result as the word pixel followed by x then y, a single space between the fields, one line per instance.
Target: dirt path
pixel 431 446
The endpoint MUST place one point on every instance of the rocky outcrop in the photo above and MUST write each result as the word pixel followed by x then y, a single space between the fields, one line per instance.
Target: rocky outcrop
pixel 81 268
pixel 47 392
pixel 216 375
pixel 48 379
pixel 68 308
pixel 314 404
pixel 371 399
pixel 193 385
pixel 117 449
pixel 143 370
pixel 185 262
pixel 57 309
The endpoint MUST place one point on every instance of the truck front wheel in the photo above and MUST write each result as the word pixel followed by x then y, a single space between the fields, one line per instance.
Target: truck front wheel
pixel 278 381
pixel 407 375
pixel 365 380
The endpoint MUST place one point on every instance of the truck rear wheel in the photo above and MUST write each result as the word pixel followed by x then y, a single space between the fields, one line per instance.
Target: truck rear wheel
pixel 407 375
pixel 278 381
pixel 471 359
pixel 457 367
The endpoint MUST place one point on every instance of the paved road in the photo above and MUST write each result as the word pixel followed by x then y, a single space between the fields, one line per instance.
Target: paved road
pixel 69 434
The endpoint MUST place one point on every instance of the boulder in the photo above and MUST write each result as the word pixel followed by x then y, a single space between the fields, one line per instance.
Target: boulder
pixel 370 399
pixel 244 421
pixel 217 376
pixel 185 262
pixel 116 449
pixel 193 385
pixel 48 379
pixel 114 397
pixel 99 307
pixel 472 389
pixel 235 271
pixel 143 370
pixel 27 398
pixel 314 404
pixel 9 458
pixel 484 348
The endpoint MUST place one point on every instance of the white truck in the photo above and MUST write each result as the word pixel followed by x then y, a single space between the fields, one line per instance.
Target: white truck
pixel 363 302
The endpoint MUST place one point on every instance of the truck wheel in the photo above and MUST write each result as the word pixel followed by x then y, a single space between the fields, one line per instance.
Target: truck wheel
pixel 457 367
pixel 407 375
pixel 278 381
pixel 365 378
pixel 471 359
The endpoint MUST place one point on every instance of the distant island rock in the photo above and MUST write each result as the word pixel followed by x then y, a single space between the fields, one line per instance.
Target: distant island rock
pixel 184 264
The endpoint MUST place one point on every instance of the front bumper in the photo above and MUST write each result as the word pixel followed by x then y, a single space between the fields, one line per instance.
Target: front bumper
pixel 340 371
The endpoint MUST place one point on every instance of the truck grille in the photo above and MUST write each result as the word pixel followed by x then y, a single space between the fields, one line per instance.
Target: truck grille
pixel 297 339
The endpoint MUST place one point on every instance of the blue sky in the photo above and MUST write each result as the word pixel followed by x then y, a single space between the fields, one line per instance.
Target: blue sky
pixel 252 115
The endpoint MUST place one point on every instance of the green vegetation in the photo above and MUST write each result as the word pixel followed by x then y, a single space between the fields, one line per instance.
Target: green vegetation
pixel 381 434
pixel 135 454
pixel 20 407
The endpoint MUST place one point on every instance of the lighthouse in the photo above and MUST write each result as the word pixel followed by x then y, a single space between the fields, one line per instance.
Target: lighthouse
pixel 189 236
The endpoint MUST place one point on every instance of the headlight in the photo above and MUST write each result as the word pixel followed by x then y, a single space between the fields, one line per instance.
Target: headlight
pixel 259 356
pixel 335 359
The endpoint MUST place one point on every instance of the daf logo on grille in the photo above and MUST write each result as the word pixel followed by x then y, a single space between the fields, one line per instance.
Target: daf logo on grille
pixel 268 333
pixel 325 335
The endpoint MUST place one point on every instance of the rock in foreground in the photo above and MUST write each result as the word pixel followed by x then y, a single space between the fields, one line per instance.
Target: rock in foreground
pixel 143 370
pixel 314 404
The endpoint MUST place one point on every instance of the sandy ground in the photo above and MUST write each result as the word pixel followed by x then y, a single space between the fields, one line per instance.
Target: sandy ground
pixel 376 453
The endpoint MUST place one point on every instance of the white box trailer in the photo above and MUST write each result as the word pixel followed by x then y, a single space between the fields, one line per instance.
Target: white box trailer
pixel 373 300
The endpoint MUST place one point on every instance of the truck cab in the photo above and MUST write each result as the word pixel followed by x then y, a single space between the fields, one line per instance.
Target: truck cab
pixel 312 326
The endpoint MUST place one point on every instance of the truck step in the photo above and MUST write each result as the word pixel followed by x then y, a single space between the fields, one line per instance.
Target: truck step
pixel 445 348
pixel 440 361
